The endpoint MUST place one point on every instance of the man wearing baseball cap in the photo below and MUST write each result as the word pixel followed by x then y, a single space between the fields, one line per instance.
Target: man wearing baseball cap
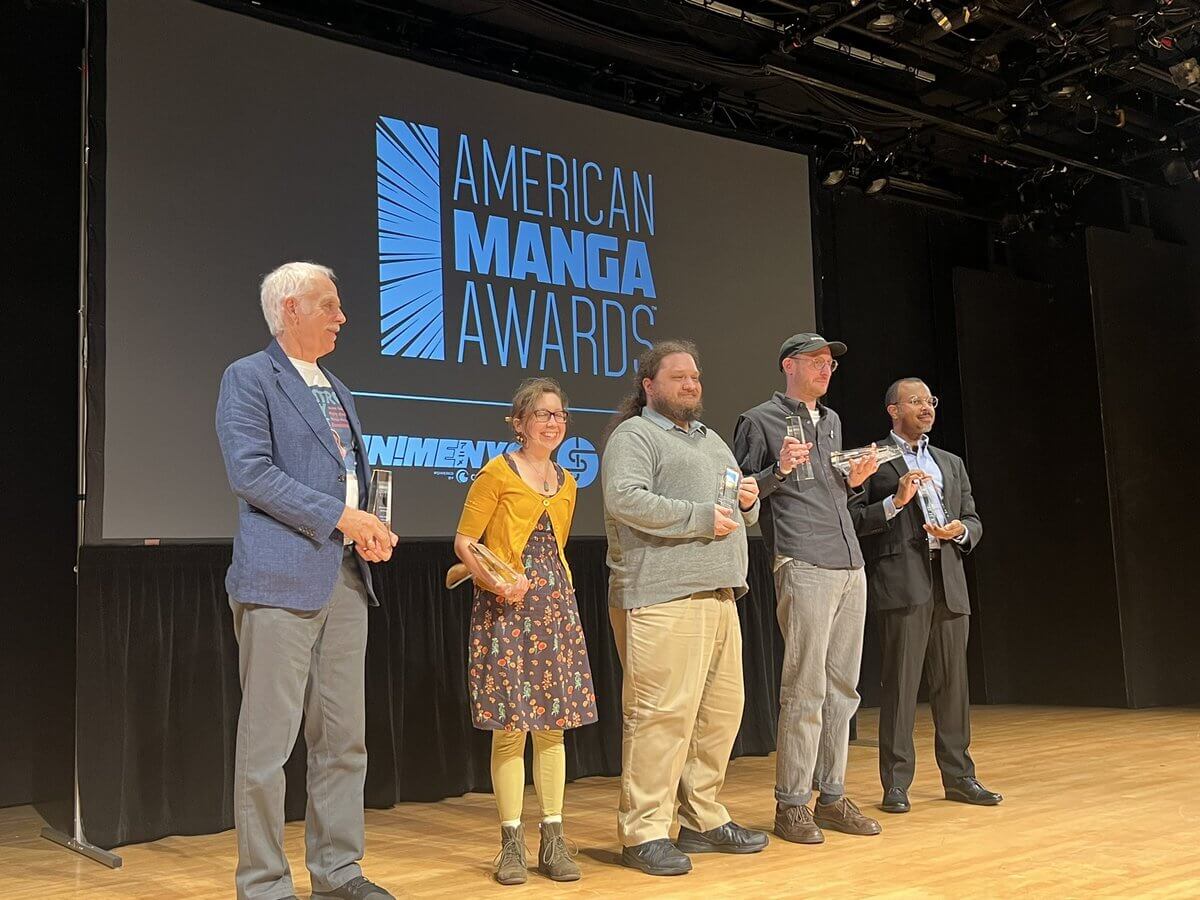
pixel 820 587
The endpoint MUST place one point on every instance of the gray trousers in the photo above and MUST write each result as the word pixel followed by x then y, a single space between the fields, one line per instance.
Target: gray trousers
pixel 821 614
pixel 933 638
pixel 291 664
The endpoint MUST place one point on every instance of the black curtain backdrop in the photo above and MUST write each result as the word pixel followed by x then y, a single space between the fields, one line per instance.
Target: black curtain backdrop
pixel 1036 466
pixel 1147 336
pixel 158 680
pixel 40 55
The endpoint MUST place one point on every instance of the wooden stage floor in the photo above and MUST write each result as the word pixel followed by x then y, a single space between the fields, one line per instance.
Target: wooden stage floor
pixel 1098 802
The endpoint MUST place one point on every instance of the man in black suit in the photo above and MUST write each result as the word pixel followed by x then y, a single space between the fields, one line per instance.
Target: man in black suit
pixel 918 592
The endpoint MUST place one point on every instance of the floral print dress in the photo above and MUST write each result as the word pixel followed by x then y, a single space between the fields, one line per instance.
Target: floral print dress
pixel 528 667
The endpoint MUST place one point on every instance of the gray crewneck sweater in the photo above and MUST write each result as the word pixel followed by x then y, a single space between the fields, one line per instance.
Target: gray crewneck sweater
pixel 660 488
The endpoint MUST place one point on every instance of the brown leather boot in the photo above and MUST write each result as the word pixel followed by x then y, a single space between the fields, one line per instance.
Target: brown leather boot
pixel 511 862
pixel 795 824
pixel 555 854
pixel 844 816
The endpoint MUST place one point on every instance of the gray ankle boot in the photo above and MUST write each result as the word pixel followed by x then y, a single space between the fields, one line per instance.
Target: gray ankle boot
pixel 555 854
pixel 511 862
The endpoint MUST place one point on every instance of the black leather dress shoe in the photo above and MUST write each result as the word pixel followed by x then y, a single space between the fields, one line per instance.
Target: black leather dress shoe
pixel 727 838
pixel 895 800
pixel 659 857
pixel 357 888
pixel 969 790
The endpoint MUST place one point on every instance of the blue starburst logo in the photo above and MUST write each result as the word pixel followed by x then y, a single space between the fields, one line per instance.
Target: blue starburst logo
pixel 412 321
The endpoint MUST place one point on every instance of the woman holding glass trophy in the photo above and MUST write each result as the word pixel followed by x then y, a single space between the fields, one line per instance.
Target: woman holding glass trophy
pixel 528 664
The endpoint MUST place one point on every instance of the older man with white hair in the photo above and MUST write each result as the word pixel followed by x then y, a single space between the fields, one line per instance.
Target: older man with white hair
pixel 299 587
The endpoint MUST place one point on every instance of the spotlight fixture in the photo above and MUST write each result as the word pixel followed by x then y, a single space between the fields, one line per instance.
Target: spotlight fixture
pixel 824 12
pixel 1177 171
pixel 874 175
pixel 989 62
pixel 943 21
pixel 834 169
pixel 839 164
pixel 1186 74
pixel 884 23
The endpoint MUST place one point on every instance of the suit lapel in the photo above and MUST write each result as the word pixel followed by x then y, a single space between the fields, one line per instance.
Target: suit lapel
pixel 899 466
pixel 300 394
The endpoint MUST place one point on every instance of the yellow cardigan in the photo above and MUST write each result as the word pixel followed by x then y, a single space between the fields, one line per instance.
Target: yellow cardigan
pixel 503 510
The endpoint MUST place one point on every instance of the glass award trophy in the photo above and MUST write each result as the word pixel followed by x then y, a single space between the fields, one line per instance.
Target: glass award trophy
pixel 728 487
pixel 932 509
pixel 841 459
pixel 795 429
pixel 379 496
pixel 497 569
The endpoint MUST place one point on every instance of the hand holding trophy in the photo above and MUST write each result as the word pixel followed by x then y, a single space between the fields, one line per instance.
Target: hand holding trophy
pixel 371 529
pixel 507 582
pixel 504 581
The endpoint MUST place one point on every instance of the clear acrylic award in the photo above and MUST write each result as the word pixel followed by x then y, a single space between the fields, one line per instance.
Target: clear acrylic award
pixel 379 496
pixel 795 429
pixel 497 569
pixel 841 459
pixel 728 487
pixel 931 504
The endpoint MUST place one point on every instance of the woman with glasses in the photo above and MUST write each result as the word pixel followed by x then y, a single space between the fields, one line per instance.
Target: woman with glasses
pixel 528 664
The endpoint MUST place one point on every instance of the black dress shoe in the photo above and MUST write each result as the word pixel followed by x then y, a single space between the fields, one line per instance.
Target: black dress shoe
pixel 357 888
pixel 895 800
pixel 969 790
pixel 727 838
pixel 659 857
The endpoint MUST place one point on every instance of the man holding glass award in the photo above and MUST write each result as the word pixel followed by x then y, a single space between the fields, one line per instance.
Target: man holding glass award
pixel 299 587
pixel 676 511
pixel 917 520
pixel 788 445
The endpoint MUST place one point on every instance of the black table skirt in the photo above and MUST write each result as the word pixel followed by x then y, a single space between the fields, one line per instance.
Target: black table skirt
pixel 158 686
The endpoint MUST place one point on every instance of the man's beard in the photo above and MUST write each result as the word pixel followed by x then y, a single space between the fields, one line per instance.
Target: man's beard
pixel 680 410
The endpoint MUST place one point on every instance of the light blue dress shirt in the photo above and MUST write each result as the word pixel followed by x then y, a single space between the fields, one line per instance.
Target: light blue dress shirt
pixel 921 459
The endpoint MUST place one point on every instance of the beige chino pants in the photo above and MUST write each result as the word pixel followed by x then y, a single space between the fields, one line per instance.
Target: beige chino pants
pixel 682 706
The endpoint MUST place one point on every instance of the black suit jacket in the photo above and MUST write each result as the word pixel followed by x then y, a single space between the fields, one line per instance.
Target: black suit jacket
pixel 899 570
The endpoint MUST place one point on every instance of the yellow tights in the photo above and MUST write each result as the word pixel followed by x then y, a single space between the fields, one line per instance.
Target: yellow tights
pixel 508 772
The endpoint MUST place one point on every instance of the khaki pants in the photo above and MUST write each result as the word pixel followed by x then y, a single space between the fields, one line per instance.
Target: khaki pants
pixel 682 703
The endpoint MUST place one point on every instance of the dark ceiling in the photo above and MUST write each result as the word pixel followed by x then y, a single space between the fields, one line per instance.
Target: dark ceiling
pixel 995 108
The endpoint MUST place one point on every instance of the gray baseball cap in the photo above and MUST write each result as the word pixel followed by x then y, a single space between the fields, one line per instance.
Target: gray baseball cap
pixel 807 342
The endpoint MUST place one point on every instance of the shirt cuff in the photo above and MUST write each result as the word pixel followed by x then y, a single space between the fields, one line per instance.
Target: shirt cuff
pixel 962 538
pixel 889 508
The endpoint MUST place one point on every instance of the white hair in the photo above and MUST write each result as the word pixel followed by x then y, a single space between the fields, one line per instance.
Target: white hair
pixel 289 280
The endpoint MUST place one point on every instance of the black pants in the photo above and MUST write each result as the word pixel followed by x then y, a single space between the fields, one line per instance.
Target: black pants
pixel 932 637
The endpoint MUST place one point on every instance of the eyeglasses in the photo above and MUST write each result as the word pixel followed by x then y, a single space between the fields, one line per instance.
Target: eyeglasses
pixel 818 365
pixel 544 416
pixel 931 402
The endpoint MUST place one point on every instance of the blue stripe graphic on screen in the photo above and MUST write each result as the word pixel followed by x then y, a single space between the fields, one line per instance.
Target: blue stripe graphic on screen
pixel 412 317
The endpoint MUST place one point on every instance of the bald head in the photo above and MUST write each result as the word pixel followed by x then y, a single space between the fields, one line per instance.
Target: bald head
pixel 911 407
pixel 899 388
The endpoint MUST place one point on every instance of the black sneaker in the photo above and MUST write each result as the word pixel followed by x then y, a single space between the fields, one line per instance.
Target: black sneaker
pixel 727 838
pixel 659 857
